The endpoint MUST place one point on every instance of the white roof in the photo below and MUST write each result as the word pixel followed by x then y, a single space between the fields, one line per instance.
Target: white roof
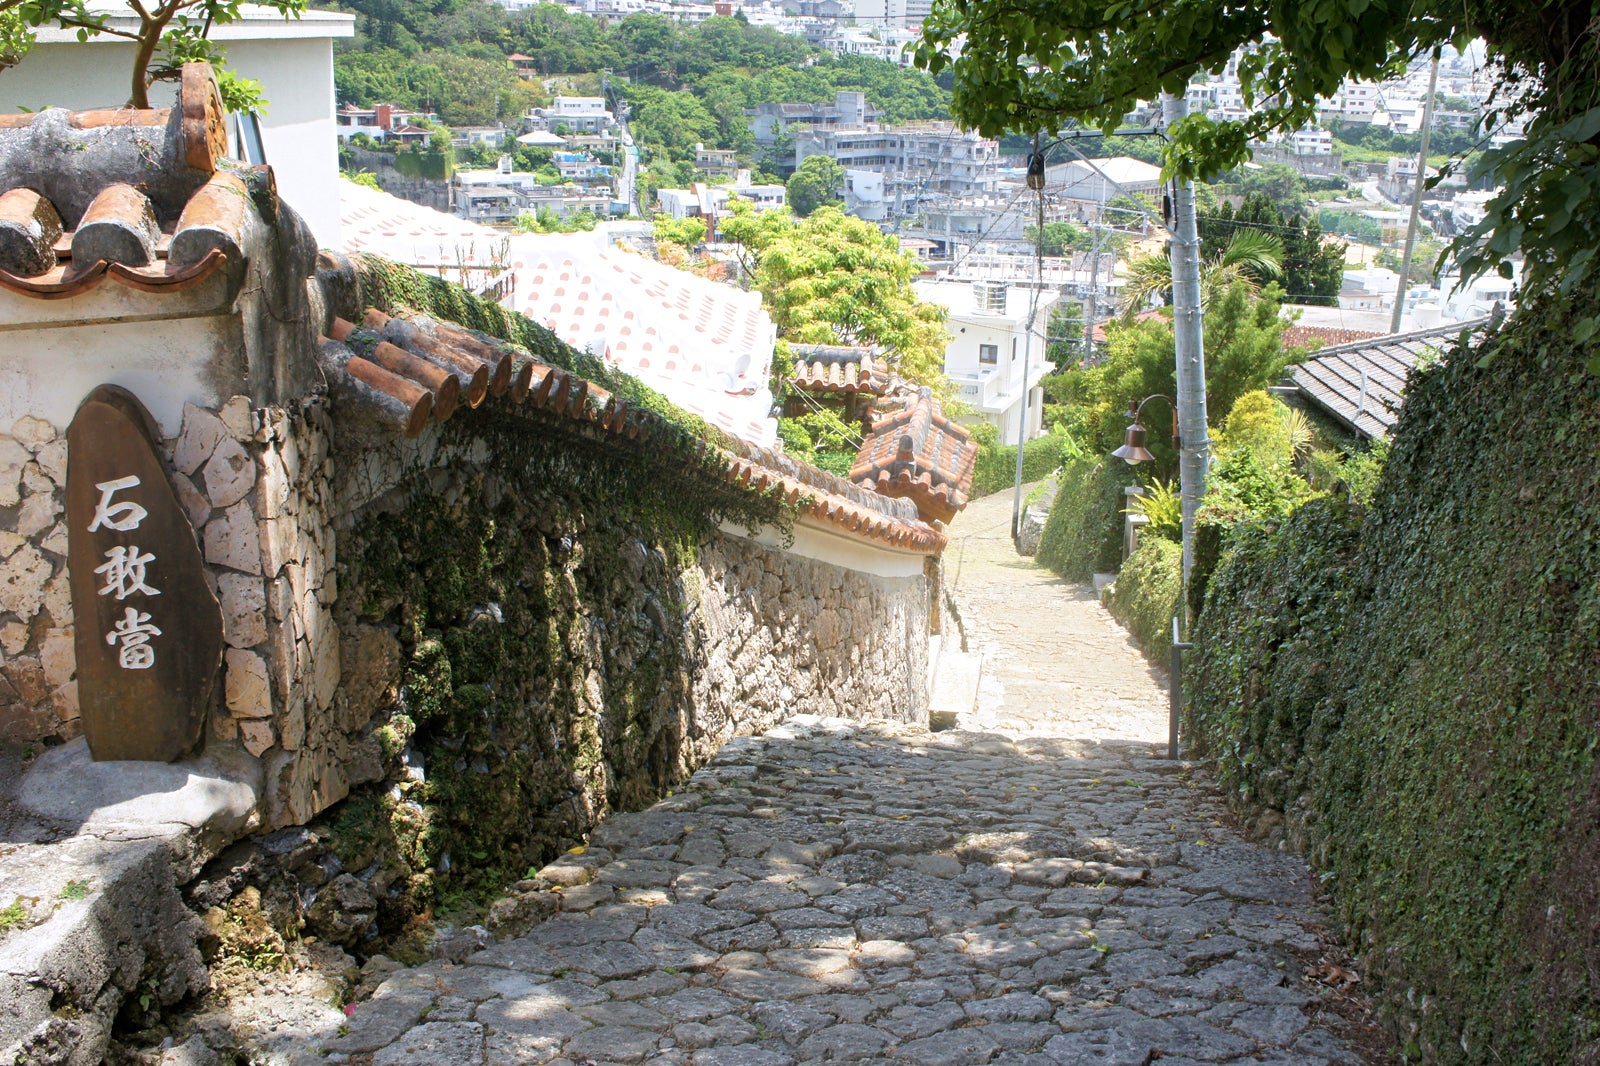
pixel 706 346
pixel 541 137
pixel 958 298
pixel 373 221
pixel 1124 170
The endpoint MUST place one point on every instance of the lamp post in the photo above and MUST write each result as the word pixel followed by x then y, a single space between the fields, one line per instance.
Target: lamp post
pixel 1133 452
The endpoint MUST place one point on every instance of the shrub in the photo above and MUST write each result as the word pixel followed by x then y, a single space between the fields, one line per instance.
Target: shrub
pixel 1083 535
pixel 996 468
pixel 1147 593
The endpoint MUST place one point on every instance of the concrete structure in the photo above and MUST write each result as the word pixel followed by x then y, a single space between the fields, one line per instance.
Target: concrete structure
pixel 576 114
pixel 381 123
pixel 1106 180
pixel 710 202
pixel 989 335
pixel 849 110
pixel 931 159
pixel 292 59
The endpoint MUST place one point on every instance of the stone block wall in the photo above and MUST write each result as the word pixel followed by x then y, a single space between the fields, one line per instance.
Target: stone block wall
pixel 538 629
pixel 786 635
pixel 612 649
pixel 38 696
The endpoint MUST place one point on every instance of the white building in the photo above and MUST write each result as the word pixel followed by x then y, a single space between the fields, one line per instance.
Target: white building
pixel 701 200
pixel 927 159
pixel 1104 180
pixel 875 14
pixel 990 339
pixel 291 58
pixel 575 114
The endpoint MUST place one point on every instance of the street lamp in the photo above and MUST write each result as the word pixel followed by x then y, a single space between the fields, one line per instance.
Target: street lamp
pixel 1133 451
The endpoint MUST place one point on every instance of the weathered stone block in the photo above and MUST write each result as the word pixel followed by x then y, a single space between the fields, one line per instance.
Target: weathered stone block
pixel 39 513
pixel 256 735
pixel 231 540
pixel 201 432
pixel 230 473
pixel 370 661
pixel 237 417
pixel 194 502
pixel 33 431
pixel 244 609
pixel 57 657
pixel 247 692
pixel 22 581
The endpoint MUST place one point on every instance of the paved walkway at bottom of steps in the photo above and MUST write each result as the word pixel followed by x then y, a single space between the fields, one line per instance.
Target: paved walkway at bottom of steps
pixel 833 891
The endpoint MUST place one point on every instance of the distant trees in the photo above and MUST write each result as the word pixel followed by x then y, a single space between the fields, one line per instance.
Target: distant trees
pixel 687 233
pixel 1312 265
pixel 816 183
pixel 684 83
pixel 834 279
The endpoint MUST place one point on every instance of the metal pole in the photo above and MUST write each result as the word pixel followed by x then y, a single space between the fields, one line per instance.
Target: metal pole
pixel 1027 353
pixel 1175 690
pixel 1416 197
pixel 1193 450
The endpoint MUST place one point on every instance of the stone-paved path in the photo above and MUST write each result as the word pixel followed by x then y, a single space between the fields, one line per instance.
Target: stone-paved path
pixel 1041 892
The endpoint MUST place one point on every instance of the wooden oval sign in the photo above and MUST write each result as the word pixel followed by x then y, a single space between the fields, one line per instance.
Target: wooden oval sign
pixel 149 631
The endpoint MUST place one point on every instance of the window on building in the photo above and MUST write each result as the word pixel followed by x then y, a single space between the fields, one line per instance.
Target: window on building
pixel 988 353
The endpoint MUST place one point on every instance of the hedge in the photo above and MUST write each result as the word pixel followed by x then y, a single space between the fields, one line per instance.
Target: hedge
pixel 996 468
pixel 1147 593
pixel 1083 535
pixel 1420 690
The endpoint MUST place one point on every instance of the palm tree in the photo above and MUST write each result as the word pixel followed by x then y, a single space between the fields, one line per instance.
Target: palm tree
pixel 1250 257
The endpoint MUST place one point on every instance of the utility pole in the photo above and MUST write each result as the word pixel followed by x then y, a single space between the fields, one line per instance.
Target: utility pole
pixel 1094 301
pixel 1027 354
pixel 1416 197
pixel 1189 340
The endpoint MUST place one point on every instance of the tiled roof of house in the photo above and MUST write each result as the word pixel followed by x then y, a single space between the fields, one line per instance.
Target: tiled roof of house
pixel 919 454
pixel 705 345
pixel 1363 384
pixel 835 368
pixel 61 236
pixel 1298 336
pixel 409 371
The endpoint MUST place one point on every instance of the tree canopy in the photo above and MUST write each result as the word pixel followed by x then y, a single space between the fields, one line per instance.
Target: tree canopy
pixel 1036 65
pixel 834 279
pixel 1312 267
pixel 815 184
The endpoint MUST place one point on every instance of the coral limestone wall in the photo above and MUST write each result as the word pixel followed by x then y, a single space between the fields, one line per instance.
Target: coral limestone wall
pixel 545 629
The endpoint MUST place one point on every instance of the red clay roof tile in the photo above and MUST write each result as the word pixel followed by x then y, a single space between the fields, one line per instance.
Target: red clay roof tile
pixel 919 454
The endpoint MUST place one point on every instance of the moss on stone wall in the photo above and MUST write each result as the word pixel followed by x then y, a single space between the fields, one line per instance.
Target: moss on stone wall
pixel 532 575
pixel 1421 690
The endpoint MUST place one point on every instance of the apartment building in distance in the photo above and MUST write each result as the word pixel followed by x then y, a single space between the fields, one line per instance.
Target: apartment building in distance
pixel 916 162
pixel 849 110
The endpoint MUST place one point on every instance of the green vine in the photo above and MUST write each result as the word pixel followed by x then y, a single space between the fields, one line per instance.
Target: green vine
pixel 1415 684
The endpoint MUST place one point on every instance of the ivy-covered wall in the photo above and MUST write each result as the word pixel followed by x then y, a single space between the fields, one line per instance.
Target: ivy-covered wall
pixel 1148 593
pixel 1416 687
pixel 1083 535
pixel 559 629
